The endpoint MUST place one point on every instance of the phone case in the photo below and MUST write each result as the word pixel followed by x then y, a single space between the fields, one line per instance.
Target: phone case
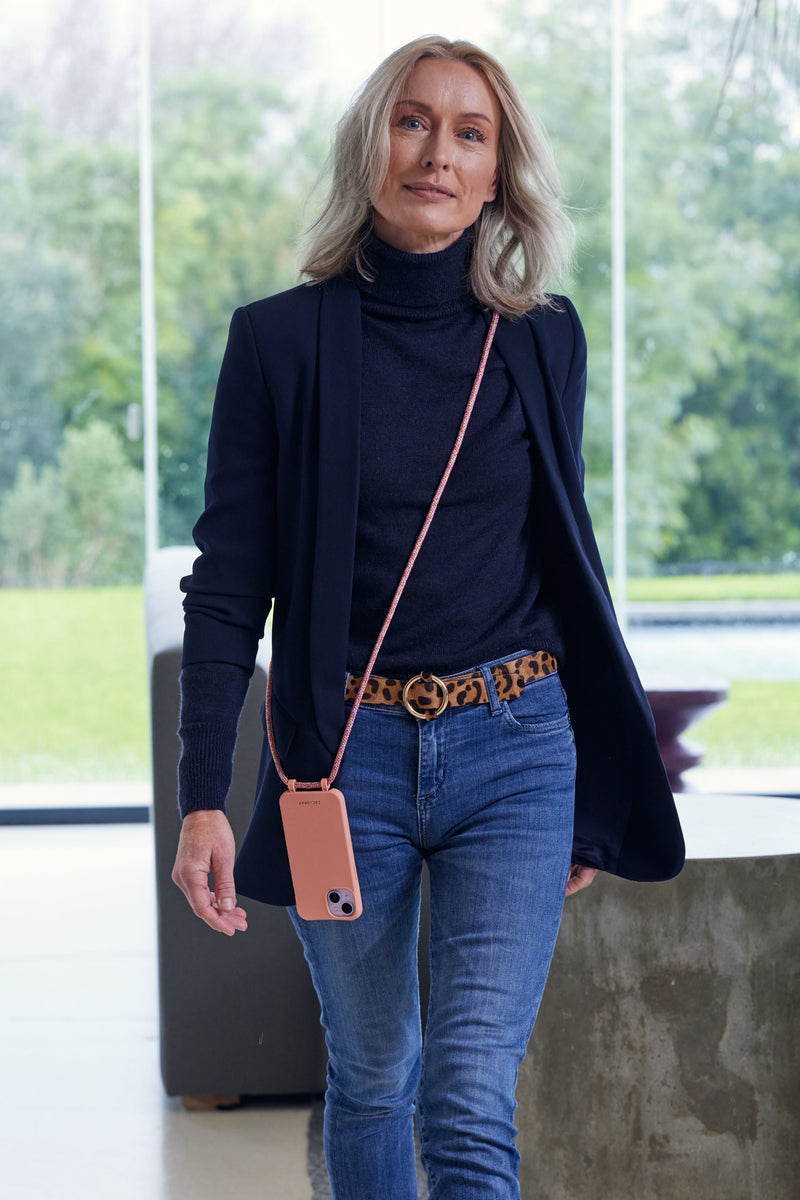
pixel 321 855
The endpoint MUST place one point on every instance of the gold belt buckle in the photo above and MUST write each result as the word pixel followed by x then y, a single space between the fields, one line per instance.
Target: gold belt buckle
pixel 433 679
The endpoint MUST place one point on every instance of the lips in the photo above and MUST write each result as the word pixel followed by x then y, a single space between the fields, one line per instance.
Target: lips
pixel 429 189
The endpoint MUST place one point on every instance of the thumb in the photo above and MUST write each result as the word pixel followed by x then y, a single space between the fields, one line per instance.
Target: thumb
pixel 224 886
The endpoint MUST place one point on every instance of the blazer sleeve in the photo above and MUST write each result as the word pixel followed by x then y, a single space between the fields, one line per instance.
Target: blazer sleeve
pixel 573 398
pixel 229 591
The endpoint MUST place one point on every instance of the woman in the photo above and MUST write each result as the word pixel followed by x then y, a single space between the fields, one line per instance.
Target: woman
pixel 337 407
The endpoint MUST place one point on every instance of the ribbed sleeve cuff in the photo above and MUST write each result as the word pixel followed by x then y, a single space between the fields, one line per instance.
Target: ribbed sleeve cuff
pixel 205 767
pixel 212 695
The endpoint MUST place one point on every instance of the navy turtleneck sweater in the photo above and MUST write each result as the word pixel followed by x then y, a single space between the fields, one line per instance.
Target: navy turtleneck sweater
pixel 474 592
pixel 472 595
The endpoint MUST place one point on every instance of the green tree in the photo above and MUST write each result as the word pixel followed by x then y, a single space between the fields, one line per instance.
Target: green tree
pixel 710 256
pixel 712 241
pixel 69 321
pixel 104 506
pixel 229 187
pixel 39 285
pixel 31 527
pixel 232 161
pixel 78 521
pixel 746 506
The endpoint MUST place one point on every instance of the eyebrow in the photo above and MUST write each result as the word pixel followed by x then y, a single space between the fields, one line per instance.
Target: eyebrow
pixel 471 116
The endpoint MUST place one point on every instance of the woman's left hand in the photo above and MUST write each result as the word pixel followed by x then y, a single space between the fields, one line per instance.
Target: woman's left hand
pixel 579 878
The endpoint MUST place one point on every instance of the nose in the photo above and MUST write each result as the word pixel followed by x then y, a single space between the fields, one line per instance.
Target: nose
pixel 434 152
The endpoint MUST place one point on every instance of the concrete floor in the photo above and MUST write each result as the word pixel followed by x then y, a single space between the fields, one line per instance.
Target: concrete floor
pixel 83 1113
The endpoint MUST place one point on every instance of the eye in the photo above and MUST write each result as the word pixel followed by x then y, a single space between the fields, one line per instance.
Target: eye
pixel 409 121
pixel 473 135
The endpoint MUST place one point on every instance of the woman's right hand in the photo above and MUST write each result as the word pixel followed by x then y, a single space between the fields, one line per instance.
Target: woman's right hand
pixel 207 844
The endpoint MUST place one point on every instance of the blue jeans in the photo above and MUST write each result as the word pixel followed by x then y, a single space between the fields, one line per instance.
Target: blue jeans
pixel 485 794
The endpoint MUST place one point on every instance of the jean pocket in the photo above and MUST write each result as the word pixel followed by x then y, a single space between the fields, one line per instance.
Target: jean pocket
pixel 540 708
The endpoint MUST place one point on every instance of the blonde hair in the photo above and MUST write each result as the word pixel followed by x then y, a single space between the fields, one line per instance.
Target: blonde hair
pixel 522 239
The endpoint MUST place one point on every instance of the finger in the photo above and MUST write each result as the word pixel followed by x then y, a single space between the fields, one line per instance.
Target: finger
pixel 222 922
pixel 237 916
pixel 194 885
pixel 579 878
pixel 574 884
pixel 224 887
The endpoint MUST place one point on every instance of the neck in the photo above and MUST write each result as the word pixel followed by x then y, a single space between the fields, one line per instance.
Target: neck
pixel 412 241
pixel 417 283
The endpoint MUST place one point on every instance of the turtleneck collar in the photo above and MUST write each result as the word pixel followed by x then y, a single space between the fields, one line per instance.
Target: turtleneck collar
pixel 416 285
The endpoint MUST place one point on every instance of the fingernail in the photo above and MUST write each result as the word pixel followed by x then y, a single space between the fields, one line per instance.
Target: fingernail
pixel 227 903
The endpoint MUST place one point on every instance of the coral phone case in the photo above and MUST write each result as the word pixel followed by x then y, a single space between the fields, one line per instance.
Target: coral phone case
pixel 321 855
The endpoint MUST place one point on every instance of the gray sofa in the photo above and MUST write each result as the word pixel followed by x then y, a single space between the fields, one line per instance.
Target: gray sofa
pixel 237 1015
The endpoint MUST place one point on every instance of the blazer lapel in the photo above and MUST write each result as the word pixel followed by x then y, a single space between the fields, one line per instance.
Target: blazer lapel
pixel 541 402
pixel 337 501
pixel 522 353
pixel 515 343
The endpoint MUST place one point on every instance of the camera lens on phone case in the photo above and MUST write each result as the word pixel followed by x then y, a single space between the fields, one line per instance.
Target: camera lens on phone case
pixel 347 908
pixel 334 898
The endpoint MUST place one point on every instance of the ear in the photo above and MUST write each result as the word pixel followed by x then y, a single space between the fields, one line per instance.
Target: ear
pixel 491 191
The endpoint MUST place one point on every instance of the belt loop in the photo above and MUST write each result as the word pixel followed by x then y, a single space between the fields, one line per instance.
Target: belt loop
pixel 491 690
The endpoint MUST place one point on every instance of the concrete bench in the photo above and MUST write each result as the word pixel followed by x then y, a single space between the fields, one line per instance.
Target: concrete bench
pixel 666 1057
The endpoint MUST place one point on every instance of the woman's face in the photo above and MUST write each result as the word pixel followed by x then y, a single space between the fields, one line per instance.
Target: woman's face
pixel 444 135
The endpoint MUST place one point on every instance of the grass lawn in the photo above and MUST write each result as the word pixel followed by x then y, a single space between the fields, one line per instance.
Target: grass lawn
pixel 74 705
pixel 759 726
pixel 74 702
pixel 784 586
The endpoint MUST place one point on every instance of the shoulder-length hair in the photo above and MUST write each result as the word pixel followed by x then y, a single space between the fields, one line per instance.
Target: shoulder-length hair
pixel 522 239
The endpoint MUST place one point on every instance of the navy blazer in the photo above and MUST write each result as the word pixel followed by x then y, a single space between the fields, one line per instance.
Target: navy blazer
pixel 280 524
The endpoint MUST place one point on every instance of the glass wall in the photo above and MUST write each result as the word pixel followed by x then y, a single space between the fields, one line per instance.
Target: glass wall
pixel 244 98
pixel 713 175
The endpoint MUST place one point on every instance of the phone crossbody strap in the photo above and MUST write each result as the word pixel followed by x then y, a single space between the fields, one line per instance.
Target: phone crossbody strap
pixel 324 784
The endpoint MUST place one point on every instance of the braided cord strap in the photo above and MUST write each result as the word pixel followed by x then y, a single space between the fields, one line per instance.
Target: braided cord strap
pixel 292 784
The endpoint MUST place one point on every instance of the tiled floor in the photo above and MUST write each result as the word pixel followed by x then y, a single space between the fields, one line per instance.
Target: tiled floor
pixel 83 1113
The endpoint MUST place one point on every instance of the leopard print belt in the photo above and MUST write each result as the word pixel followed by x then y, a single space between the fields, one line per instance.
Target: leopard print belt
pixel 427 696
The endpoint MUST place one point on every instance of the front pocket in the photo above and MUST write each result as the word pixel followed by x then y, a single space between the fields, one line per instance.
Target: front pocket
pixel 540 708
